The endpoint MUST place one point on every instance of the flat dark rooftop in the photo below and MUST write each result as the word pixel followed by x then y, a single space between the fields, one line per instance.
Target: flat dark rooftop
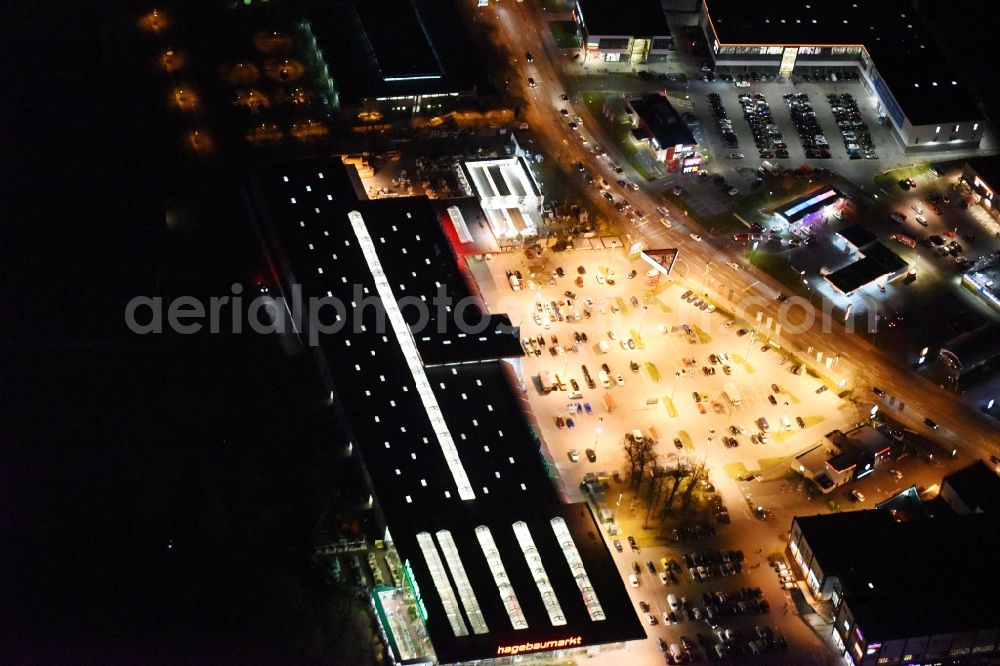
pixel 988 169
pixel 878 261
pixel 905 53
pixel 878 561
pixel 449 344
pixel 307 206
pixel 857 235
pixel 385 48
pixel 398 39
pixel 637 18
pixel 976 347
pixel 978 485
pixel 663 120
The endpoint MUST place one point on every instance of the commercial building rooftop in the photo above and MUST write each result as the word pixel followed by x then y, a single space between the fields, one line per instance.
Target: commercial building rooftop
pixel 919 75
pixel 977 486
pixel 972 349
pixel 857 235
pixel 391 48
pixel 893 572
pixel 809 203
pixel 639 18
pixel 666 126
pixel 457 467
pixel 878 262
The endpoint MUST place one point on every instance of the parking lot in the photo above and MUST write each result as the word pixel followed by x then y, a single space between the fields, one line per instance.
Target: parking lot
pixel 860 171
pixel 662 381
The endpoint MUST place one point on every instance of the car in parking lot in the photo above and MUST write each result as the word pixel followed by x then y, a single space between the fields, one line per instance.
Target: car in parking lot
pixel 591 455
pixel 931 424
pixel 618 545
pixel 574 455
pixel 633 544
pixel 857 496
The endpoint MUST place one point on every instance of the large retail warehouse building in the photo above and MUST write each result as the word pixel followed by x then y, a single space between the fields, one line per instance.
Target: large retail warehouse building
pixel 913 85
pixel 482 549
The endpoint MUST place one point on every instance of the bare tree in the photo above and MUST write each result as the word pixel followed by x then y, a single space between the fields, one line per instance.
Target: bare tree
pixel 677 472
pixel 639 453
pixel 698 472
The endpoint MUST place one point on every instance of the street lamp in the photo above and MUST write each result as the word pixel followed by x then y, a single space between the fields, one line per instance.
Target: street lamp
pixel 752 339
pixel 596 436
pixel 677 376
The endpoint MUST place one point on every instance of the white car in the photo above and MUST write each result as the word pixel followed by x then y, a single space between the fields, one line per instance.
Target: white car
pixel 917 208
pixel 600 279
pixel 574 455
pixel 538 318
pixel 663 578
pixel 858 497
pixel 921 220
pixel 695 236
pixel 735 266
pixel 619 380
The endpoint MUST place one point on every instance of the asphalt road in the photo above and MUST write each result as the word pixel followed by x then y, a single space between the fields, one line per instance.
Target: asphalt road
pixel 522 28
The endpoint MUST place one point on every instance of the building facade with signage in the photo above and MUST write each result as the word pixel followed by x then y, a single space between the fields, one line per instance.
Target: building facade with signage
pixel 899 598
pixel 610 33
pixel 911 84
pixel 982 176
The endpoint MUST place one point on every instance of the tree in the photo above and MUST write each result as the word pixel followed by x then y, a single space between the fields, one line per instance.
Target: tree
pixel 639 453
pixel 698 472
pixel 677 472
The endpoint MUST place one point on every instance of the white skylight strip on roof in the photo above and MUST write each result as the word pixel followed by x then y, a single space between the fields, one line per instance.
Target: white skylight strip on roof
pixel 465 590
pixel 575 563
pixel 458 221
pixel 549 598
pixel 442 584
pixel 507 595
pixel 409 348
